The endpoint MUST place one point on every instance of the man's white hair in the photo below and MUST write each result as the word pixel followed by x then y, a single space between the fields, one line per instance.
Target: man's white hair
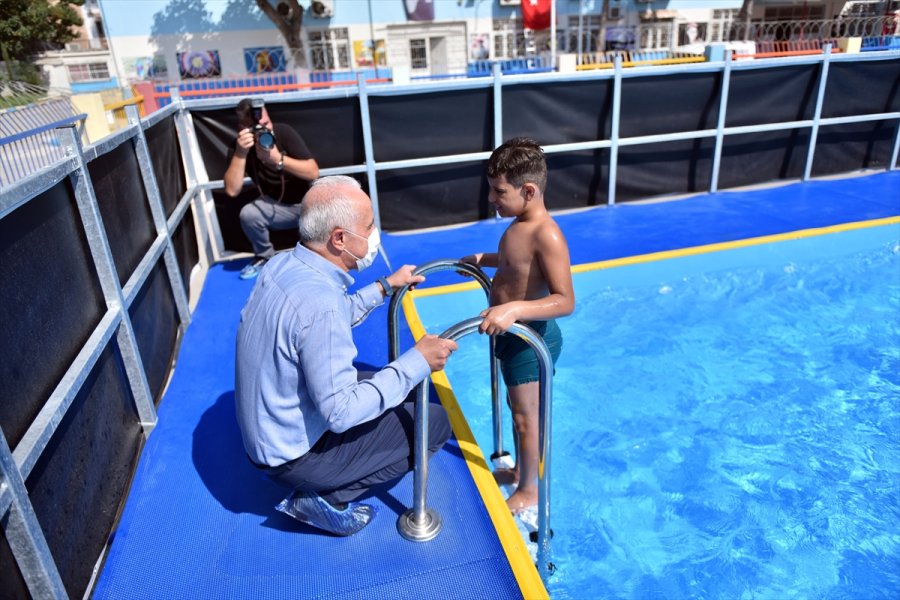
pixel 325 207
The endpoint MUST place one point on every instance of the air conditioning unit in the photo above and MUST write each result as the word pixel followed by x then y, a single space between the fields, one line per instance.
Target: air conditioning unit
pixel 510 2
pixel 321 9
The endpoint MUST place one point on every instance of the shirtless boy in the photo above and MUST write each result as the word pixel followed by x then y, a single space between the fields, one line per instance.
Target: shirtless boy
pixel 533 285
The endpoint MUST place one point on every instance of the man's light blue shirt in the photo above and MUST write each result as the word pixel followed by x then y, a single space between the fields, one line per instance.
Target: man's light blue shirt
pixel 294 373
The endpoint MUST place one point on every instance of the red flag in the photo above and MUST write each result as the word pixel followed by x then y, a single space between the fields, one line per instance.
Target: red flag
pixel 536 14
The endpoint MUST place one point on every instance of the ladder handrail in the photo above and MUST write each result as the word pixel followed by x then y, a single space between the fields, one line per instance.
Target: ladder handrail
pixel 422 524
pixel 436 266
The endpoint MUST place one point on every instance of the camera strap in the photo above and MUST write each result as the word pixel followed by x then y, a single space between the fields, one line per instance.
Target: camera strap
pixel 258 187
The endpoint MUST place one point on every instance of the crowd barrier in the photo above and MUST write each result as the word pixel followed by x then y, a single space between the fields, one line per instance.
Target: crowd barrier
pixel 101 249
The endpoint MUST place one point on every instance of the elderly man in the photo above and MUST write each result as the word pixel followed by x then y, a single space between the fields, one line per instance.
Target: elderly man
pixel 307 418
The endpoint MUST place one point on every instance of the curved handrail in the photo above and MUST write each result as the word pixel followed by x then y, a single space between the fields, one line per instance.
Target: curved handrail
pixel 437 266
pixel 420 523
pixel 434 266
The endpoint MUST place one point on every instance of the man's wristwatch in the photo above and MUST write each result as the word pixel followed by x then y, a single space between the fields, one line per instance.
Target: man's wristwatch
pixel 387 287
pixel 280 165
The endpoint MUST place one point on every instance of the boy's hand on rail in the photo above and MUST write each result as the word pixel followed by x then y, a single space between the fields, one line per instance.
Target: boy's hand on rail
pixel 436 350
pixel 470 259
pixel 404 276
pixel 497 319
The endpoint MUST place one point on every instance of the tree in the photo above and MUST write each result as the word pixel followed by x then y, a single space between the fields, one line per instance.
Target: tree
pixel 288 17
pixel 28 27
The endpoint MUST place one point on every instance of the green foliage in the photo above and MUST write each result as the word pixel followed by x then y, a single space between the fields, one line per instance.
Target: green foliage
pixel 30 26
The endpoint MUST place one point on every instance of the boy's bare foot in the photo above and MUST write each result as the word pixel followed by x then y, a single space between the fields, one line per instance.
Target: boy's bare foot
pixel 506 476
pixel 520 500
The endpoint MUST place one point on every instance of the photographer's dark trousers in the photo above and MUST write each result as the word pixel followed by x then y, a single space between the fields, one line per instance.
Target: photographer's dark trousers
pixel 343 466
pixel 264 214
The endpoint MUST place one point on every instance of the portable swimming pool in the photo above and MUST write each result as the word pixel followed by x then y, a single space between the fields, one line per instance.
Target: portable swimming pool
pixel 725 424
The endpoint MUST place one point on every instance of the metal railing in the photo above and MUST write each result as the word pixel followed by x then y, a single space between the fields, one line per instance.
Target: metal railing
pixel 822 29
pixel 22 530
pixel 28 137
pixel 484 281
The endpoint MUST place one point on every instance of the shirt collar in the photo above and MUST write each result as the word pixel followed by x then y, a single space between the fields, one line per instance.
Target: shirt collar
pixel 314 261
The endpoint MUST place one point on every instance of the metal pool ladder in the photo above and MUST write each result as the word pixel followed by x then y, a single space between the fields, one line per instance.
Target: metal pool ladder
pixel 420 523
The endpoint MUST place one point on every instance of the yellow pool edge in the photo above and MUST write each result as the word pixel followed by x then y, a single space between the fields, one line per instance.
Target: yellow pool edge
pixel 514 546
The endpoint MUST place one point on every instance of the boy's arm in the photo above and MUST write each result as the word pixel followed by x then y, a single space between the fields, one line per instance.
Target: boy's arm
pixel 482 259
pixel 552 254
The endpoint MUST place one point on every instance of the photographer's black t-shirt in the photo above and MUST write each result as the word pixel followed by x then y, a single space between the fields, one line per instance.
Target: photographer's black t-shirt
pixel 269 179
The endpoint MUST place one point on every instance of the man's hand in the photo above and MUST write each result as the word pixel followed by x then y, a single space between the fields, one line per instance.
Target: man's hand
pixel 497 319
pixel 404 276
pixel 436 350
pixel 270 157
pixel 245 141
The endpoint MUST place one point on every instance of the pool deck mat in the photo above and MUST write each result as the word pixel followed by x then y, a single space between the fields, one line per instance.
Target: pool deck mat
pixel 200 522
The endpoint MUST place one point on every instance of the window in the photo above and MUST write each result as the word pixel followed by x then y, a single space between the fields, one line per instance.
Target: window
pixel 418 54
pixel 794 13
pixel 722 21
pixel 329 49
pixel 88 72
pixel 590 33
pixel 510 40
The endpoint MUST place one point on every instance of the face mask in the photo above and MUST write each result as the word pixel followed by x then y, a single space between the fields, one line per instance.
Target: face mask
pixel 374 241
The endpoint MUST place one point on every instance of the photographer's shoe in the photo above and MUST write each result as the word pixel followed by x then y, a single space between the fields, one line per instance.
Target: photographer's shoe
pixel 252 268
pixel 312 509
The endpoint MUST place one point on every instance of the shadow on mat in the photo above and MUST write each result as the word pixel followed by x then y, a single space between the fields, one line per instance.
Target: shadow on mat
pixel 222 464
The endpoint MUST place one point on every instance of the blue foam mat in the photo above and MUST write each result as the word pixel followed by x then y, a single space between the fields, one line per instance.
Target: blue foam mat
pixel 200 520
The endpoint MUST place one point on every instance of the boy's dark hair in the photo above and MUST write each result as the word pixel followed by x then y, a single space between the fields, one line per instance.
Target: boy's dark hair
pixel 521 161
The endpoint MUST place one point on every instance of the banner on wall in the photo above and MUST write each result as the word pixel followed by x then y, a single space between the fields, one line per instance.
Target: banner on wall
pixel 419 10
pixel 536 14
pixel 199 64
pixel 364 57
pixel 265 60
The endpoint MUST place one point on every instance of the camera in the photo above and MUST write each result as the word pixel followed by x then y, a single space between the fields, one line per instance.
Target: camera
pixel 264 136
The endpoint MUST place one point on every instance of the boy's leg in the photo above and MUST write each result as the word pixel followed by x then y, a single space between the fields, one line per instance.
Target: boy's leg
pixel 509 475
pixel 524 403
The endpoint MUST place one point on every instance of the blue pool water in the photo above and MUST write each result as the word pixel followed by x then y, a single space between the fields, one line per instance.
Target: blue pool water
pixel 724 425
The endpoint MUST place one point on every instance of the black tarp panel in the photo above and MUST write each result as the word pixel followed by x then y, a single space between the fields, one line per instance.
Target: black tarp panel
pixel 432 196
pixel 858 88
pixel 669 104
pixel 168 167
pixel 775 95
pixel 751 158
pixel 124 208
pixel 50 302
pixel 433 124
pixel 184 241
pixel 77 485
pixel 155 321
pixel 558 113
pixel 853 146
pixel 13 587
pixel 679 167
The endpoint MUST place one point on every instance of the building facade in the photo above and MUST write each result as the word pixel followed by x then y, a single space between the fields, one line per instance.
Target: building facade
pixel 178 40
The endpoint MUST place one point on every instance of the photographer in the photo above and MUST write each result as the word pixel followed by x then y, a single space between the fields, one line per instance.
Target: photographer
pixel 278 161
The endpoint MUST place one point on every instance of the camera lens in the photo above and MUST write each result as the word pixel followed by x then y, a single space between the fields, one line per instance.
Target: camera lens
pixel 265 139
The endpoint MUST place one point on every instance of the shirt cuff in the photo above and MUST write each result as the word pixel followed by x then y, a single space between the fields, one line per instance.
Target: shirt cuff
pixel 414 364
pixel 371 295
